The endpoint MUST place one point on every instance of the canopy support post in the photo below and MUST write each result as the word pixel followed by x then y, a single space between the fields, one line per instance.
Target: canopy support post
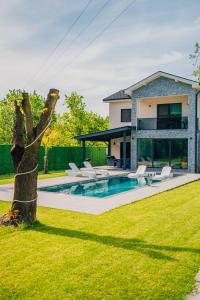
pixel 124 150
pixel 83 151
pixel 109 147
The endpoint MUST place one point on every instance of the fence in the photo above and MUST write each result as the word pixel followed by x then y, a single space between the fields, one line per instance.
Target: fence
pixel 59 157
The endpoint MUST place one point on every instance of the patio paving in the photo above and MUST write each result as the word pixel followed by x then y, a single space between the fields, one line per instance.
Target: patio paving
pixel 95 205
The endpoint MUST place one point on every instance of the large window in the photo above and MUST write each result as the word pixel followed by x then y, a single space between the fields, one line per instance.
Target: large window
pixel 169 110
pixel 125 115
pixel 169 116
pixel 158 153
pixel 179 153
pixel 145 152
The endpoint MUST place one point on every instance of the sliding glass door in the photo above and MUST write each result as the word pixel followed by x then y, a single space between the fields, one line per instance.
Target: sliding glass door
pixel 158 153
pixel 179 154
pixel 161 153
pixel 169 116
pixel 145 152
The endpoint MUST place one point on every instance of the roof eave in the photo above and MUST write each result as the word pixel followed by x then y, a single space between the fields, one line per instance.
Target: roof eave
pixel 116 99
pixel 104 134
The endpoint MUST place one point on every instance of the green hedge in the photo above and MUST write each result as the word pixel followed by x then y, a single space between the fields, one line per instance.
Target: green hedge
pixel 6 165
pixel 59 157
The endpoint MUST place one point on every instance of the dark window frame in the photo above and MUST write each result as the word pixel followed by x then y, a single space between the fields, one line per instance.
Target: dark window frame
pixel 123 120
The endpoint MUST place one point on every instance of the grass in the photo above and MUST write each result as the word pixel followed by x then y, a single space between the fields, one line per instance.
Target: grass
pixel 146 250
pixel 9 178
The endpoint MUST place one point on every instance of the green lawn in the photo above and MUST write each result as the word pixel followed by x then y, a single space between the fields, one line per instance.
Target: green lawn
pixel 147 250
pixel 9 178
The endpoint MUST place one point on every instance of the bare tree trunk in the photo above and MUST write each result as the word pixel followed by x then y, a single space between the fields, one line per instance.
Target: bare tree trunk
pixel 25 158
pixel 25 187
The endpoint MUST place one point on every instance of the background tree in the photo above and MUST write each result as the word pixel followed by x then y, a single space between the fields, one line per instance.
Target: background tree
pixel 50 138
pixel 195 58
pixel 27 138
pixel 7 112
pixel 78 121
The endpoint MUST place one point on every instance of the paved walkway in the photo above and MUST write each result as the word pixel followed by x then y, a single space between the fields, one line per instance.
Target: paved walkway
pixel 195 295
pixel 95 205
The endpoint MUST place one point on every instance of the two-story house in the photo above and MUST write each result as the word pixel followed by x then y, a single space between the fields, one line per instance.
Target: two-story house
pixel 154 122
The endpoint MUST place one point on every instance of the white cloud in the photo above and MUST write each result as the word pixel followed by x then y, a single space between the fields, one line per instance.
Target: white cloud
pixel 122 56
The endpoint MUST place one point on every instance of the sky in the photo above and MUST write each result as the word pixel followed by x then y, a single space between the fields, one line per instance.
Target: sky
pixel 91 47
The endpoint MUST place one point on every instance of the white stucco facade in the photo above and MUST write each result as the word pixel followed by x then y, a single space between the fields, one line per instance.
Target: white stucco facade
pixel 147 107
pixel 115 146
pixel 115 113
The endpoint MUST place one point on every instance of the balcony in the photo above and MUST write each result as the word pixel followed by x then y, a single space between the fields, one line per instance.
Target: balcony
pixel 162 123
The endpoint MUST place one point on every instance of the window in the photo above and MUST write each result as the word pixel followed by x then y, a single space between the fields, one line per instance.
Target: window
pixel 125 115
pixel 145 154
pixel 169 110
pixel 161 153
pixel 158 153
pixel 169 116
pixel 179 153
pixel 175 110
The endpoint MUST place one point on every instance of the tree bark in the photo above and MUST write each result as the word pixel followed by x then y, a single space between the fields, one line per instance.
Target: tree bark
pixel 25 187
pixel 25 158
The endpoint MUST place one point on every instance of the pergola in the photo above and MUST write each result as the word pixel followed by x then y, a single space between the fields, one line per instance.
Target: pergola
pixel 107 136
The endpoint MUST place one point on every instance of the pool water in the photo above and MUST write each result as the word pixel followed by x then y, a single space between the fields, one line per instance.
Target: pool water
pixel 96 188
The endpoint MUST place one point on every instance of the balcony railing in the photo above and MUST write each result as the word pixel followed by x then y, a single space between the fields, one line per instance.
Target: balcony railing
pixel 163 123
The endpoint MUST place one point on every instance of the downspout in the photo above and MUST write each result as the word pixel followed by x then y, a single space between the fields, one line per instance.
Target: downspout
pixel 196 130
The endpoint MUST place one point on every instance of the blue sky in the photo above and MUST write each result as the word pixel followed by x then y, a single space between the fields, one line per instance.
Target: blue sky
pixel 149 36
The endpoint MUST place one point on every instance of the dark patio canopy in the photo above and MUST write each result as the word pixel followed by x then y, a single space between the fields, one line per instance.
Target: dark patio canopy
pixel 106 135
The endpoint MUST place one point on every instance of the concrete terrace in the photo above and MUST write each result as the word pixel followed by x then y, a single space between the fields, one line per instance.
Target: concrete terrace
pixel 93 205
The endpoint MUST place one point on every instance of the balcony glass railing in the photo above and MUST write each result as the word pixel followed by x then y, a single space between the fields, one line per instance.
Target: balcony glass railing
pixel 163 123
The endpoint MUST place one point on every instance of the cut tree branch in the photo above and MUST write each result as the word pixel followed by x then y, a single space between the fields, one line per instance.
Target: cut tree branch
pixel 18 137
pixel 49 107
pixel 28 117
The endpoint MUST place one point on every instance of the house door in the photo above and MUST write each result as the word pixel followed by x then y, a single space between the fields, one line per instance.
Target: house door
pixel 128 153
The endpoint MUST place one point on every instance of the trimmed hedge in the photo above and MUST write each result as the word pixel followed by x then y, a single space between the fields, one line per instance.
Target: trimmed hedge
pixel 59 157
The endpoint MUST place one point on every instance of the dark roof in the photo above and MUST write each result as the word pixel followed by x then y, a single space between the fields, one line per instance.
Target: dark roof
pixel 117 96
pixel 106 135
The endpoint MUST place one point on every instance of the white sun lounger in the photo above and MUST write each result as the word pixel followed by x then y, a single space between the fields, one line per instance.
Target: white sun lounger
pixel 89 167
pixel 139 173
pixel 75 171
pixel 165 174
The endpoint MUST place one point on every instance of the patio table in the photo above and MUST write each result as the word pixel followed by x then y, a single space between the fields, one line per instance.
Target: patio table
pixel 149 177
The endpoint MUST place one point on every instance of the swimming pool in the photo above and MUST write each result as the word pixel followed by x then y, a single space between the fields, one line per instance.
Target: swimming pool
pixel 99 188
